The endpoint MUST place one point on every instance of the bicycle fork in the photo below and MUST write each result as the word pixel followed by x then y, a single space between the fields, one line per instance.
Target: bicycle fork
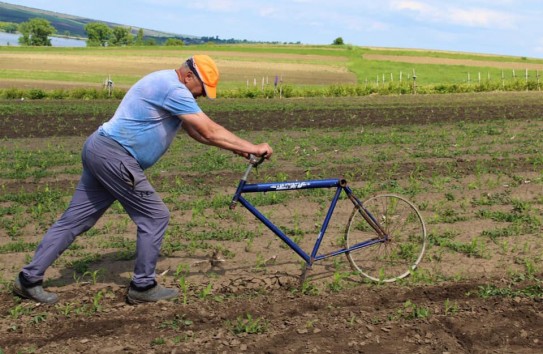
pixel 370 219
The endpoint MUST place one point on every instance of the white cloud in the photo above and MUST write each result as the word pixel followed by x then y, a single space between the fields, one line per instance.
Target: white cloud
pixel 468 16
pixel 481 18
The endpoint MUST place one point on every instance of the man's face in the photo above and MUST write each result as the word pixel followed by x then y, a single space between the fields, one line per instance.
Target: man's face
pixel 194 84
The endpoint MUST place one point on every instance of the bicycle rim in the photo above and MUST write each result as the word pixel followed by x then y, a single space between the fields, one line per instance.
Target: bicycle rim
pixel 396 257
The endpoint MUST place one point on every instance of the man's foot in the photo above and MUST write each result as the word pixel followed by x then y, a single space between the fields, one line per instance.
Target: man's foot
pixel 34 292
pixel 154 294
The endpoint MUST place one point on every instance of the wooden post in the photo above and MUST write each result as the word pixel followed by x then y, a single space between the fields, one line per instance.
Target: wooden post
pixel 414 82
pixel 503 80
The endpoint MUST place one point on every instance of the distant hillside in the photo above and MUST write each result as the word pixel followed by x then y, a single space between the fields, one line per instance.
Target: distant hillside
pixel 75 26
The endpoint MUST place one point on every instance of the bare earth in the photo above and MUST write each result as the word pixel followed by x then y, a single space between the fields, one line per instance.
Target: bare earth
pixel 451 61
pixel 262 280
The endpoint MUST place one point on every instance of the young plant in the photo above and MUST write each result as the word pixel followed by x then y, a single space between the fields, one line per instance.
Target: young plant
pixel 249 325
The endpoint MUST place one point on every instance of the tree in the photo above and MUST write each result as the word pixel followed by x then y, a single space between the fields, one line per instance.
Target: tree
pixel 98 34
pixel 36 32
pixel 8 27
pixel 174 42
pixel 338 41
pixel 121 36
pixel 139 38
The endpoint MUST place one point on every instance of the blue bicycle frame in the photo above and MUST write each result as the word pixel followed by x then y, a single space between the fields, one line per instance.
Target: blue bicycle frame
pixel 339 184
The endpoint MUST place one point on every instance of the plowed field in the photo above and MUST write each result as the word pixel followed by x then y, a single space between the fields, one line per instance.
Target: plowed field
pixel 474 171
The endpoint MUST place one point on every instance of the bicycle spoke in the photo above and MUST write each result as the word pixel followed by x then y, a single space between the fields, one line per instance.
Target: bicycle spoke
pixel 400 252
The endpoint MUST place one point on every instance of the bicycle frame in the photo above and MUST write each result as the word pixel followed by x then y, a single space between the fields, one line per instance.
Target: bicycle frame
pixel 339 184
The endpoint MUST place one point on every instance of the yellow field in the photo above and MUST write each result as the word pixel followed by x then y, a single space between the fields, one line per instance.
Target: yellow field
pixel 243 66
pixel 126 66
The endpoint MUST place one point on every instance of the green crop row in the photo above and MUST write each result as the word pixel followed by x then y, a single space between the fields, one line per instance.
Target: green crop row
pixel 288 91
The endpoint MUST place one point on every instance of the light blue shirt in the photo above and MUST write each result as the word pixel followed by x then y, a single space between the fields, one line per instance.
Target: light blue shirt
pixel 146 121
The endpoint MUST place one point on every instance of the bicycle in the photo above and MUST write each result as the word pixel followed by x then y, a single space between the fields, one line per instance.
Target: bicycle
pixel 385 236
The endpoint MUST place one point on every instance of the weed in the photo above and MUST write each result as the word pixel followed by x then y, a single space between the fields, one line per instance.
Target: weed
pixel 412 311
pixel 158 341
pixel 206 292
pixel 450 308
pixel 39 318
pixel 487 291
pixel 307 288
pixel 19 310
pixel 249 325
pixel 337 281
pixel 176 323
pixel 184 286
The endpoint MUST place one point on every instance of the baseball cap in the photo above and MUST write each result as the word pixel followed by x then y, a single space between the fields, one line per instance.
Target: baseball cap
pixel 204 67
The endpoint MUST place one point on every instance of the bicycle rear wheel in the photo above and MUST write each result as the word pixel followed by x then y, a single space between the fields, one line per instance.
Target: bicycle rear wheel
pixel 400 253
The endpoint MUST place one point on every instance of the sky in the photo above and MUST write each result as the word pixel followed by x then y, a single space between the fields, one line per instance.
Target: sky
pixel 504 27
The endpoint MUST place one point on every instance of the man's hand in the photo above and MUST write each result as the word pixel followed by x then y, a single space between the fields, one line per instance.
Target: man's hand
pixel 264 150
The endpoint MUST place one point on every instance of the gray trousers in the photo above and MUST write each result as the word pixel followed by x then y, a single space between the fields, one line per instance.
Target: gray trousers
pixel 109 173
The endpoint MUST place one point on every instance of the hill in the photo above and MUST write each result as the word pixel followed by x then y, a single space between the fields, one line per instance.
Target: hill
pixel 74 26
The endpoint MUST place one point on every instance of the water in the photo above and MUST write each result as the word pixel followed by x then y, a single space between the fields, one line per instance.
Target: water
pixel 13 39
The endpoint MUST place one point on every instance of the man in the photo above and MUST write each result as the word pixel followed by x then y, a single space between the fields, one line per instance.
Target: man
pixel 114 159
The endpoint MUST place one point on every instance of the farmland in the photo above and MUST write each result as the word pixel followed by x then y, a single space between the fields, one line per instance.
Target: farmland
pixel 472 163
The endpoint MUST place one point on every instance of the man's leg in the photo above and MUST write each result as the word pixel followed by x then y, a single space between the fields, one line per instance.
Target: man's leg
pixel 121 175
pixel 125 180
pixel 149 213
pixel 88 204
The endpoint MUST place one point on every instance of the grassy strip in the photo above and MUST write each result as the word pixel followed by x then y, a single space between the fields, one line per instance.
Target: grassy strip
pixel 290 91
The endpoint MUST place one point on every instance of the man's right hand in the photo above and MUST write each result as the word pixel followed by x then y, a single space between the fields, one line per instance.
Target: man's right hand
pixel 264 150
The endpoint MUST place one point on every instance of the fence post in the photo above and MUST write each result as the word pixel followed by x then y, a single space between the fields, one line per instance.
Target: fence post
pixel 414 82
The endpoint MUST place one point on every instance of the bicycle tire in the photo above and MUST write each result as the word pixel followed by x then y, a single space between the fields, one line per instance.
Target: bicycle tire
pixel 395 258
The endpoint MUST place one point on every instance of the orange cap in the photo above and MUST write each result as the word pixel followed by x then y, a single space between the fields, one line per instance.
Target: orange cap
pixel 207 72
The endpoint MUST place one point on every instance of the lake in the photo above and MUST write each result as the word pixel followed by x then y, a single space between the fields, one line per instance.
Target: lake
pixel 13 39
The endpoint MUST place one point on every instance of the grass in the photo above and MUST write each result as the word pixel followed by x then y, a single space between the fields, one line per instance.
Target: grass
pixel 298 64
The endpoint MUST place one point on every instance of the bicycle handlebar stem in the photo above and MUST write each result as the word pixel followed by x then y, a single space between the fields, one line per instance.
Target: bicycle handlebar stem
pixel 254 161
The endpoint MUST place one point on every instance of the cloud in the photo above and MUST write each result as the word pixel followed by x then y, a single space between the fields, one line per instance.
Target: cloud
pixel 466 16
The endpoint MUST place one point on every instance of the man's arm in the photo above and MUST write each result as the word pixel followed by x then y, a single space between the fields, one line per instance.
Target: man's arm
pixel 201 128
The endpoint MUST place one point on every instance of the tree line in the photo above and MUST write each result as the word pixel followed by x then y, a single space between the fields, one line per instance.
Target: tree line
pixel 36 32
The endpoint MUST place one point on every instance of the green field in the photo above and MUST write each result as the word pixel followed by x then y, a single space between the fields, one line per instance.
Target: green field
pixel 255 66
pixel 471 162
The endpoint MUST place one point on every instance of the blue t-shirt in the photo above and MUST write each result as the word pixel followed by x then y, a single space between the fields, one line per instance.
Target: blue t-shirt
pixel 146 121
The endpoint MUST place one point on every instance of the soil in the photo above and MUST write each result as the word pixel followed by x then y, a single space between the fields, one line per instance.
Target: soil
pixel 412 317
pixel 450 61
